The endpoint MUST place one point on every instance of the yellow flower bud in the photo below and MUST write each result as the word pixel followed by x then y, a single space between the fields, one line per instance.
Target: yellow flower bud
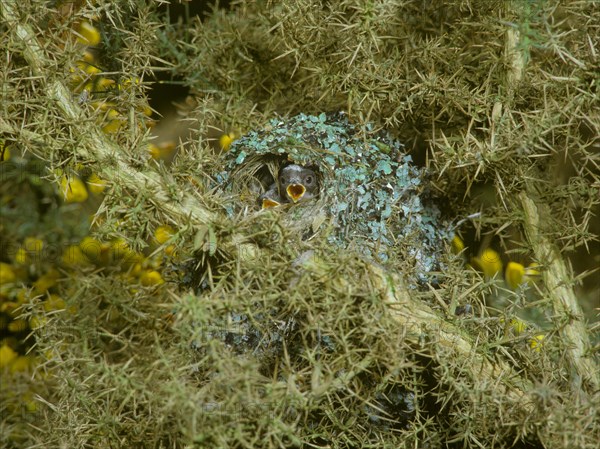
pixel 489 262
pixel 115 122
pixel 23 295
pixel 102 105
pixel 38 322
pixel 226 140
pixel 121 252
pixel 514 275
pixel 88 57
pixel 94 250
pixel 537 342
pixel 54 302
pixel 18 325
pixel 21 256
pixel 86 67
pixel 29 251
pixel 151 277
pixel 162 151
pixel 29 403
pixel 163 233
pixel 531 272
pixel 4 152
pixel 102 84
pixel 154 151
pixel 33 245
pixel 88 34
pixel 7 275
pixel 128 82
pixel 95 184
pixel 518 326
pixel 73 256
pixel 147 111
pixel 9 307
pixel 46 281
pixel 22 363
pixel 457 245
pixel 73 189
pixel 7 355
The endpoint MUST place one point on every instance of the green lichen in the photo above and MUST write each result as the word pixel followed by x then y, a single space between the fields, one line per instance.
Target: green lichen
pixel 370 189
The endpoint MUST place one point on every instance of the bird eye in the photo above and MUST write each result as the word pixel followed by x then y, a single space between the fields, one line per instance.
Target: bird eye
pixel 308 180
pixel 282 180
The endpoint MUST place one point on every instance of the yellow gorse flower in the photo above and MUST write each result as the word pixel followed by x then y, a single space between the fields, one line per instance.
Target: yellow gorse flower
pixel 4 152
pixel 21 256
pixel 163 233
pixel 115 122
pixel 515 326
pixel 18 325
pixel 531 272
pixel 73 189
pixel 37 322
pixel 94 250
pixel 537 342
pixel 488 262
pixel 87 67
pixel 120 252
pixel 457 245
pixel 7 355
pixel 162 151
pixel 7 275
pixel 53 303
pixel 518 326
pixel 88 34
pixel 30 251
pixel 95 184
pixel 516 274
pixel 22 363
pixel 226 140
pixel 46 281
pixel 102 84
pixel 151 277
pixel 33 245
pixel 73 256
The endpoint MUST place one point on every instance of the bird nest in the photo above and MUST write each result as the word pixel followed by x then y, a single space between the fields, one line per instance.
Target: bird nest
pixel 370 195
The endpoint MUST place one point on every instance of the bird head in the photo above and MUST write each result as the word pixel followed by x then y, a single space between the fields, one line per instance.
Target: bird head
pixel 267 203
pixel 297 183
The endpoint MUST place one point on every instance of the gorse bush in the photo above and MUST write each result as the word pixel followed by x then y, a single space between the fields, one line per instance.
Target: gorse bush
pixel 147 300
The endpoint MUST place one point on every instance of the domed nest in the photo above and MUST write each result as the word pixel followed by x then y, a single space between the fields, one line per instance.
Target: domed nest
pixel 370 196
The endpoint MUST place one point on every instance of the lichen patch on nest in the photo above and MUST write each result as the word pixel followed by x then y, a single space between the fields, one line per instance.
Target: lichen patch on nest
pixel 375 198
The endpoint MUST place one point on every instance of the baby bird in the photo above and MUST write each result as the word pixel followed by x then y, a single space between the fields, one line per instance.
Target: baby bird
pixel 296 183
pixel 271 197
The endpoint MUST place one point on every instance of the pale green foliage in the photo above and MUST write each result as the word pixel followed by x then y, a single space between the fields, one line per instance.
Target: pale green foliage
pixel 262 338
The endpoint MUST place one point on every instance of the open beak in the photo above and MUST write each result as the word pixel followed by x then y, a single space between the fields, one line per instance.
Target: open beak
pixel 268 203
pixel 295 191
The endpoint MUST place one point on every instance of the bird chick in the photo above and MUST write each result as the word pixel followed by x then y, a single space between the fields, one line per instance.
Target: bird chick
pixel 270 198
pixel 297 183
